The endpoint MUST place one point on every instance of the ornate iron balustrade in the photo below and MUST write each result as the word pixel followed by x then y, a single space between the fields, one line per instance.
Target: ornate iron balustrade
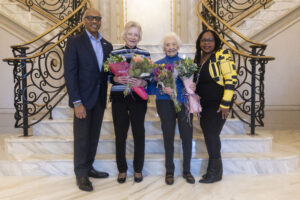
pixel 230 10
pixel 38 70
pixel 57 8
pixel 248 101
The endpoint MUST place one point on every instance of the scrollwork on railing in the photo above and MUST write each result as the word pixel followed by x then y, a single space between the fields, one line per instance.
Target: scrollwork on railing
pixel 232 9
pixel 248 100
pixel 38 70
pixel 58 8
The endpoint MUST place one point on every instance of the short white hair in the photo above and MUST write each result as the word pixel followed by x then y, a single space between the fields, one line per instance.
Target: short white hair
pixel 171 35
pixel 131 24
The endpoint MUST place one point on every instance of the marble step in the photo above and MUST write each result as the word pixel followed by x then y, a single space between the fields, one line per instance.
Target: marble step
pixel 275 162
pixel 62 127
pixel 153 144
pixel 64 112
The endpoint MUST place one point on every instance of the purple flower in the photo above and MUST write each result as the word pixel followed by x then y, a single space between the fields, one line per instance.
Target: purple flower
pixel 168 67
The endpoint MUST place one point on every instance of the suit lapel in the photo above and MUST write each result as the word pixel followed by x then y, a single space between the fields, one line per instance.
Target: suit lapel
pixel 88 45
pixel 104 48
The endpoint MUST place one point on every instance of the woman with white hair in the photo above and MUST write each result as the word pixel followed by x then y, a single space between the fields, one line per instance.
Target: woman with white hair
pixel 130 109
pixel 166 111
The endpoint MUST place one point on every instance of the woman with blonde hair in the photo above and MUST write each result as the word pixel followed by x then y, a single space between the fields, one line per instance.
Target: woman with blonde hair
pixel 130 109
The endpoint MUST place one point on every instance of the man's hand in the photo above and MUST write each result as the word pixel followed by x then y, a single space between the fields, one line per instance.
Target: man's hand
pixel 135 82
pixel 80 112
pixel 121 79
pixel 168 90
pixel 225 112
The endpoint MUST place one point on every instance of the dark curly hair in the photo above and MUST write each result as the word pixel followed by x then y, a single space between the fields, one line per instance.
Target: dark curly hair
pixel 218 45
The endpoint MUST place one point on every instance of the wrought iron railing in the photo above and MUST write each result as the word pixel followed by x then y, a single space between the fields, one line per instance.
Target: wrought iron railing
pixel 248 100
pixel 38 68
pixel 232 11
pixel 59 9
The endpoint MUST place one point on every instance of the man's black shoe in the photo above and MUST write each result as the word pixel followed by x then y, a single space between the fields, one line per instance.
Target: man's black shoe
pixel 84 183
pixel 96 174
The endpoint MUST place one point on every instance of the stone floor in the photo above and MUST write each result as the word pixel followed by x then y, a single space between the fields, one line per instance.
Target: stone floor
pixel 284 126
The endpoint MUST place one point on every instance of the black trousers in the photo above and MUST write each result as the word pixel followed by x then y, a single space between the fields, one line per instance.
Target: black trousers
pixel 212 123
pixel 86 138
pixel 125 111
pixel 167 114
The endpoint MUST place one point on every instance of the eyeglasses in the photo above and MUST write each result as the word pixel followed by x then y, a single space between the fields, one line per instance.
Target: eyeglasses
pixel 209 40
pixel 91 18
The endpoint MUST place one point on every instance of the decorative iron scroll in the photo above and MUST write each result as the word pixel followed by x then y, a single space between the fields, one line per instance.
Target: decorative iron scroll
pixel 248 101
pixel 39 81
pixel 231 9
pixel 58 8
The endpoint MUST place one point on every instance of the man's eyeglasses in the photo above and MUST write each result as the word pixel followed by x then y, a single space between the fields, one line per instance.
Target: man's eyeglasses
pixel 91 18
pixel 209 40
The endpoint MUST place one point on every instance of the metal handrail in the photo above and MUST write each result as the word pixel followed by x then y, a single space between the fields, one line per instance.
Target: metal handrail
pixel 84 2
pixel 39 10
pixel 47 49
pixel 38 76
pixel 232 29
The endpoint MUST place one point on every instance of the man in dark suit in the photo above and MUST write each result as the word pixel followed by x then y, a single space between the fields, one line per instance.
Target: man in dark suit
pixel 87 88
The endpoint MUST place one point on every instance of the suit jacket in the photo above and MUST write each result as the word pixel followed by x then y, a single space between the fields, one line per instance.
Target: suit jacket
pixel 84 80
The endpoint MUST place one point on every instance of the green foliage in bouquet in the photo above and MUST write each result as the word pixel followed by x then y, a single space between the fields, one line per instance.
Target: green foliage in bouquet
pixel 113 59
pixel 140 67
pixel 186 67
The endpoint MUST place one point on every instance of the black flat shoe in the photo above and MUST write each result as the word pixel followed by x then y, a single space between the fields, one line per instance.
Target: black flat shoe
pixel 138 179
pixel 97 174
pixel 169 179
pixel 189 178
pixel 121 179
pixel 84 183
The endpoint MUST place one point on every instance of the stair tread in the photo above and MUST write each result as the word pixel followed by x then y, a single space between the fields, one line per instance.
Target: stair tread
pixel 198 136
pixel 70 120
pixel 275 154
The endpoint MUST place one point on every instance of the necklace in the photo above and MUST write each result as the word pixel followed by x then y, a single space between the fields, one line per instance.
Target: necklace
pixel 201 66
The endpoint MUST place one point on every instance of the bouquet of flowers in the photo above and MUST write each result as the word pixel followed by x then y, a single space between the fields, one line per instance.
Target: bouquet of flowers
pixel 165 77
pixel 117 65
pixel 140 67
pixel 186 68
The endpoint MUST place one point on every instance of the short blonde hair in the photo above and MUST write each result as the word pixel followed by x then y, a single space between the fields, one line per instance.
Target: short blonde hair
pixel 131 24
pixel 171 35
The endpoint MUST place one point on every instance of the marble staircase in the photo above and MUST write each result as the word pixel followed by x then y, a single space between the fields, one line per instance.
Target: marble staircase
pixel 50 150
pixel 27 23
pixel 264 18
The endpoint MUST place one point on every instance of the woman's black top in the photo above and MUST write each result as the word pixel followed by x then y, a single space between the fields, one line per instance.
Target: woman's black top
pixel 206 87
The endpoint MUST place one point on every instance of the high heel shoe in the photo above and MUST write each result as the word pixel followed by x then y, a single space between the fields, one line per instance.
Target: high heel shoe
pixel 121 179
